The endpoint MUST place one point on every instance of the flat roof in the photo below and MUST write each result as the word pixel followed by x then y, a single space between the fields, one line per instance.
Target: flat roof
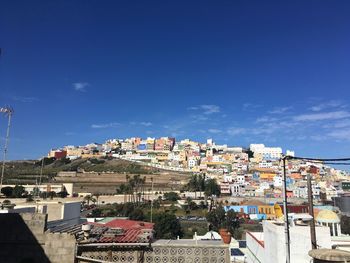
pixel 189 242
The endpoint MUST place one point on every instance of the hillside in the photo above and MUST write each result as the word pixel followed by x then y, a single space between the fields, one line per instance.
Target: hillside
pixel 102 175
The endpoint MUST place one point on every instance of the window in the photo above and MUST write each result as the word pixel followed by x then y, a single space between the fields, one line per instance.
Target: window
pixel 236 252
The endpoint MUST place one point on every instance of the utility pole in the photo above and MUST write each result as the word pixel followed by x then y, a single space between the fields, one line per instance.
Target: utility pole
pixel 7 111
pixel 285 210
pixel 152 201
pixel 41 170
pixel 311 213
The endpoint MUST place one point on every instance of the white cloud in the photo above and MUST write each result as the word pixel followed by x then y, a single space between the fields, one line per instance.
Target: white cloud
pixel 214 131
pixel 192 108
pixel 198 118
pixel 251 106
pixel 280 110
pixel 329 104
pixel 80 86
pixel 206 108
pixel 236 131
pixel 105 125
pixel 143 123
pixel 334 115
pixel 318 137
pixel 343 134
pixel 146 123
pixel 265 119
pixel 209 109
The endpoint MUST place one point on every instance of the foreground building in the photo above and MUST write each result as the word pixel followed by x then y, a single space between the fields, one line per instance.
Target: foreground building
pixel 28 238
pixel 269 246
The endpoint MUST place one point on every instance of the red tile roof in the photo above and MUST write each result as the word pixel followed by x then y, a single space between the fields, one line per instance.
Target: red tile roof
pixel 133 231
pixel 129 224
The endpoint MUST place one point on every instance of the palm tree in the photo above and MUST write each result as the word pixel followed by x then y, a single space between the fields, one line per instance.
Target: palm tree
pixel 89 199
pixel 96 196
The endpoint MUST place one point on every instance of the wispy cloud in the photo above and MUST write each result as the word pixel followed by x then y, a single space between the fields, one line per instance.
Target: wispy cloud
pixel 338 124
pixel 343 134
pixel 326 105
pixel 265 119
pixel 143 123
pixel 105 125
pixel 206 108
pixel 236 131
pixel 80 86
pixel 280 110
pixel 215 131
pixel 334 115
pixel 250 106
pixel 146 123
pixel 25 99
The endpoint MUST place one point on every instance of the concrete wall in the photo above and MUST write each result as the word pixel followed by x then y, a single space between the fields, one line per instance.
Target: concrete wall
pixel 71 212
pixel 60 247
pixel 24 238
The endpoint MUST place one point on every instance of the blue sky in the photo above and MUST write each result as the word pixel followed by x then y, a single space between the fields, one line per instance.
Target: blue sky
pixel 240 72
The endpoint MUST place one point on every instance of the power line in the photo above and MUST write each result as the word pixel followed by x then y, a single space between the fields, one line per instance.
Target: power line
pixel 316 159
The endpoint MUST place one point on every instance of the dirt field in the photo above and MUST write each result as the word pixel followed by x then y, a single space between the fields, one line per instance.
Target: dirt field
pixel 106 183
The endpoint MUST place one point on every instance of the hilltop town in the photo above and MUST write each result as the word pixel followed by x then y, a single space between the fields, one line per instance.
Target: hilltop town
pixel 242 172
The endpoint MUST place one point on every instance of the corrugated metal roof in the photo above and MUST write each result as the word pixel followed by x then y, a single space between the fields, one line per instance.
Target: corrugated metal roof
pixel 115 231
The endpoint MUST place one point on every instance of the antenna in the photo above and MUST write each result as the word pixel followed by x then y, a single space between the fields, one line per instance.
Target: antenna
pixel 7 111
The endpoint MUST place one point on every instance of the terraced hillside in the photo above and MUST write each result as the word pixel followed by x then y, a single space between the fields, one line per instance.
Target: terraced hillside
pixel 91 175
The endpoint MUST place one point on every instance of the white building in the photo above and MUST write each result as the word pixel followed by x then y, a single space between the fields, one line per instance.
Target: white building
pixel 277 181
pixel 192 162
pixel 266 152
pixel 269 246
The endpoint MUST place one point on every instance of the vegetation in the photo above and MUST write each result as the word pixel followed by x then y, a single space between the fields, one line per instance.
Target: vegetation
pixel 7 191
pixel 28 171
pixel 219 219
pixel 171 196
pixel 167 226
pixel 199 183
pixel 134 188
pixel 211 188
pixel 18 191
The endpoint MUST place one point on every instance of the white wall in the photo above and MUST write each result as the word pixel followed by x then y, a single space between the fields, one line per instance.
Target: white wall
pixel 255 252
pixel 300 243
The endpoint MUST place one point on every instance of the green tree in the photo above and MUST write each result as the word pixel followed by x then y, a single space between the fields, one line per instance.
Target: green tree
pixel 63 194
pixel 7 191
pixel 171 196
pixel 167 226
pixel 216 218
pixel 89 199
pixel 232 222
pixel 18 191
pixel 36 191
pixel 212 188
pixel 137 214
